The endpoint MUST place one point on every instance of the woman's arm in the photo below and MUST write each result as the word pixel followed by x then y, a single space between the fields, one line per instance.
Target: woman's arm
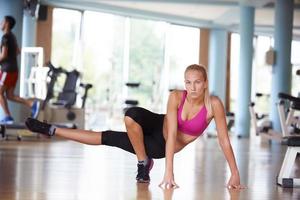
pixel 171 117
pixel 220 119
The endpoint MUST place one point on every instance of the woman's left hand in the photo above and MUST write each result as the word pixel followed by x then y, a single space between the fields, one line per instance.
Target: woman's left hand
pixel 234 182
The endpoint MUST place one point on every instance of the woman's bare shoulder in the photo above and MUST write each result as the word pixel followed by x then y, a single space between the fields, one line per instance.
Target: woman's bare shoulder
pixel 215 99
pixel 177 94
pixel 216 102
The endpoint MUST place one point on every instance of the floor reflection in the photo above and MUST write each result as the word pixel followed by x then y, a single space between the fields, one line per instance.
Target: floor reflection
pixel 168 193
pixel 234 194
pixel 143 192
pixel 58 169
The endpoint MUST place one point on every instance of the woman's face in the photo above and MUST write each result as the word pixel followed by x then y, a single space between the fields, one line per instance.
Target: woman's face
pixel 195 83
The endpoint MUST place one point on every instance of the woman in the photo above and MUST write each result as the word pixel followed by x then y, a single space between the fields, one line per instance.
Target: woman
pixel 150 135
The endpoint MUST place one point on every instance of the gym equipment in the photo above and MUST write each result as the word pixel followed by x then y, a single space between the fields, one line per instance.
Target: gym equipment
pixel 63 111
pixel 31 58
pixel 230 120
pixel 17 130
pixel 64 108
pixel 37 86
pixel 260 123
pixel 230 125
pixel 284 179
pixel 131 102
pixel 289 124
pixel 37 83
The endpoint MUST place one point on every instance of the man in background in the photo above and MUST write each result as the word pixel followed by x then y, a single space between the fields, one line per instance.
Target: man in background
pixel 9 51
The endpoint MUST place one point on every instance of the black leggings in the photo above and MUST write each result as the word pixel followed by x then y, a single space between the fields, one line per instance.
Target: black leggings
pixel 152 125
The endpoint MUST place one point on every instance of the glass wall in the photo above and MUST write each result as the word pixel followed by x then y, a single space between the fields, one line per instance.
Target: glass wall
pixel 111 50
pixel 261 71
pixel 183 52
pixel 146 59
pixel 234 64
pixel 65 34
pixel 261 74
pixel 102 58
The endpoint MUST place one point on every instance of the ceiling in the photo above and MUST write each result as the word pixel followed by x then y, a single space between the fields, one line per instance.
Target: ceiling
pixel 198 13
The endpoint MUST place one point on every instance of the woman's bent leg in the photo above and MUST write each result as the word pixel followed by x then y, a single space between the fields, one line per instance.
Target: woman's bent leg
pixel 142 125
pixel 136 137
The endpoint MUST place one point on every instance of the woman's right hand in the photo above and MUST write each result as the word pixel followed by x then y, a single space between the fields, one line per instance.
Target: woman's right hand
pixel 168 182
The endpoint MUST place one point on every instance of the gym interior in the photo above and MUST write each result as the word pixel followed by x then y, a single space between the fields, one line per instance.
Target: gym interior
pixel 113 55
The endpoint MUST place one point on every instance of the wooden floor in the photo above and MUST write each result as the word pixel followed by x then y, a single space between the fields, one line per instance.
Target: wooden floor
pixel 62 170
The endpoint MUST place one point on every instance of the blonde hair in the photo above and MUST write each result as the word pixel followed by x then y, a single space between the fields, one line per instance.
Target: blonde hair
pixel 203 70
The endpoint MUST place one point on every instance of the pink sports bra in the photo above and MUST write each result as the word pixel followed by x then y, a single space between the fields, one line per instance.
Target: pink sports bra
pixel 194 126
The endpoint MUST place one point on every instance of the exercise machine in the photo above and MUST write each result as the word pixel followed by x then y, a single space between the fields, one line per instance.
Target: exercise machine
pixel 284 178
pixel 64 109
pixel 260 123
pixel 230 120
pixel 16 130
pixel 131 102
pixel 289 125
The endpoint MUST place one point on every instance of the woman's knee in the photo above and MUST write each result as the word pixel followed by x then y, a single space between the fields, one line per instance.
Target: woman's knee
pixel 132 116
pixel 129 122
pixel 133 113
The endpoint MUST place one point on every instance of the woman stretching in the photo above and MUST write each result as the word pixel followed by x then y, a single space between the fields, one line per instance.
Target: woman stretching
pixel 150 135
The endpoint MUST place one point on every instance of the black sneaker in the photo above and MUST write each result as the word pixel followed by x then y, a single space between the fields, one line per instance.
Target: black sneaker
pixel 143 172
pixel 40 127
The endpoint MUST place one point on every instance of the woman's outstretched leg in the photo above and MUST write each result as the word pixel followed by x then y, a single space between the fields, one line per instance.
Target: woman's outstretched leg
pixel 83 136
